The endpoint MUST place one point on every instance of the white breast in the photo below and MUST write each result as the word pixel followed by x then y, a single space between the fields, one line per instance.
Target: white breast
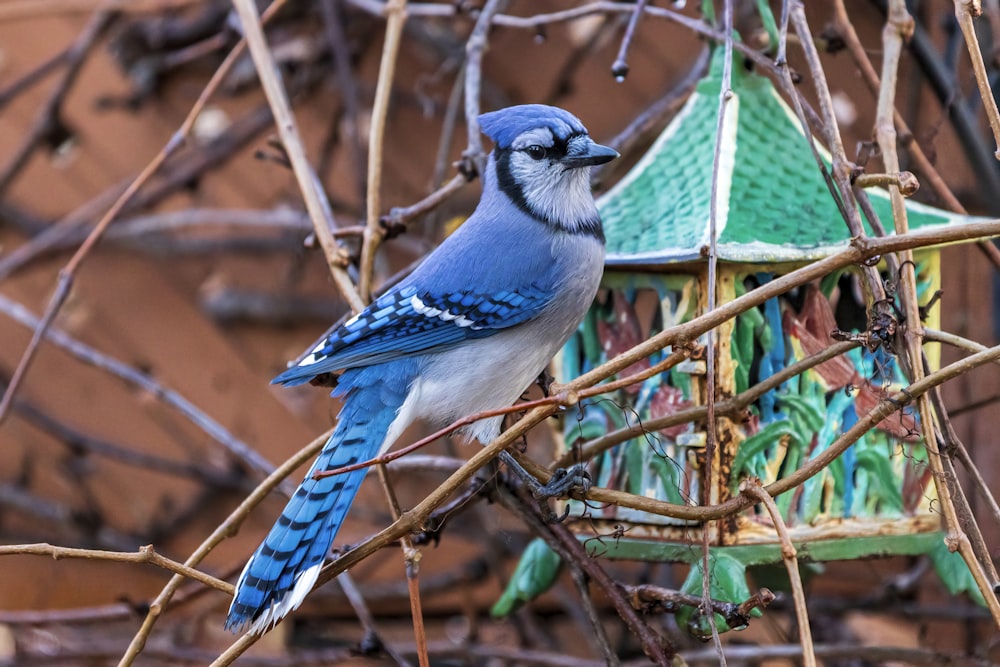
pixel 493 372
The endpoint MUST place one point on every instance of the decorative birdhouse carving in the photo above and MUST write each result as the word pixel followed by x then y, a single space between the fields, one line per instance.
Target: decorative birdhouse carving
pixel 775 214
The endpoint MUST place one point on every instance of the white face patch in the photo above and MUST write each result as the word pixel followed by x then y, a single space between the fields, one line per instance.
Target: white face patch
pixel 551 190
pixel 554 192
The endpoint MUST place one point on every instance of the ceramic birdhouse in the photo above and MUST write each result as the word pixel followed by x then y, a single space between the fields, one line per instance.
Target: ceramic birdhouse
pixel 775 214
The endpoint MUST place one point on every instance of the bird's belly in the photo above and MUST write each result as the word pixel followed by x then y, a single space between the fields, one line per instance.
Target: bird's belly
pixel 492 372
pixel 486 374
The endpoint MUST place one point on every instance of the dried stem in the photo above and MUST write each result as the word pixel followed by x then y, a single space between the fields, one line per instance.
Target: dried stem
pixel 753 488
pixel 711 466
pixel 224 530
pixel 312 191
pixel 396 17
pixel 965 10
pixel 411 562
pixel 145 554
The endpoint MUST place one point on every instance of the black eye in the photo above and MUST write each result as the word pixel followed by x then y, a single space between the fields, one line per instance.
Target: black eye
pixel 536 152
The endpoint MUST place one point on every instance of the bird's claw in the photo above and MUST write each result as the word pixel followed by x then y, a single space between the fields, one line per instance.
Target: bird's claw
pixel 573 482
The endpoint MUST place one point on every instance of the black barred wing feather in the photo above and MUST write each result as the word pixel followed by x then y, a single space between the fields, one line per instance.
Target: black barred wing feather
pixel 410 321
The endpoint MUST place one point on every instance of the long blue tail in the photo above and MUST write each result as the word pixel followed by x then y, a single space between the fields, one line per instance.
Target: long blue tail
pixel 285 566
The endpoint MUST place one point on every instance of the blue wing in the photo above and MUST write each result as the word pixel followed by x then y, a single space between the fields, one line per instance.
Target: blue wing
pixel 407 321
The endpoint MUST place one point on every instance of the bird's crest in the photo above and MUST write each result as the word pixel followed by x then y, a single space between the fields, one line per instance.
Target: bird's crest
pixel 505 125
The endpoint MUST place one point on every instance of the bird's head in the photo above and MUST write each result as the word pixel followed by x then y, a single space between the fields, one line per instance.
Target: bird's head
pixel 542 157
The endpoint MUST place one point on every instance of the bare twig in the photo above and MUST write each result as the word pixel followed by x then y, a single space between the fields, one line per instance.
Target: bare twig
pixel 753 488
pixel 396 17
pixel 33 76
pixel 240 450
pixel 47 120
pixel 145 554
pixel 312 192
pixel 965 10
pixel 411 560
pixel 474 154
pixel 619 69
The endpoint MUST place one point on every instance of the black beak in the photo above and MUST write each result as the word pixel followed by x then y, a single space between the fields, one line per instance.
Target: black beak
pixel 592 154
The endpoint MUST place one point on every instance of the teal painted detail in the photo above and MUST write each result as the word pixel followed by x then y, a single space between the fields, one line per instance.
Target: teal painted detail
pixel 664 204
pixel 629 309
pixel 874 546
pixel 955 573
pixel 776 204
pixel 883 474
pixel 535 573
pixel 727 582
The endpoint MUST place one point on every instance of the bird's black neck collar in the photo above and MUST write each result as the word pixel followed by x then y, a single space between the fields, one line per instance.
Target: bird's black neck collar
pixel 510 187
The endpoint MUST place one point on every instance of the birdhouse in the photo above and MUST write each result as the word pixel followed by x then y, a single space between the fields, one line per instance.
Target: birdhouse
pixel 775 214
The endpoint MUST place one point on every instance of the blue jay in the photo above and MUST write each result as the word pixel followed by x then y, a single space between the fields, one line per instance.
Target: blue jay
pixel 469 330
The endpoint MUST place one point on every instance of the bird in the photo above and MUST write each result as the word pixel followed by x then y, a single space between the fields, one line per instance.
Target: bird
pixel 468 330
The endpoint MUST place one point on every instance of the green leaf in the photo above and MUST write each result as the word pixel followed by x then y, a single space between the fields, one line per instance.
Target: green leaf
pixel 811 411
pixel 535 573
pixel 955 573
pixel 887 487
pixel 727 583
pixel 670 475
pixel 756 444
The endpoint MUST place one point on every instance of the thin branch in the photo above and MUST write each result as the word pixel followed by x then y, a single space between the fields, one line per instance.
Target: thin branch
pixel 32 77
pixel 474 154
pixel 753 488
pixel 710 476
pixel 411 561
pixel 619 69
pixel 312 192
pixel 965 10
pixel 648 598
pixel 396 18
pixel 145 554
pixel 224 530
pixel 88 355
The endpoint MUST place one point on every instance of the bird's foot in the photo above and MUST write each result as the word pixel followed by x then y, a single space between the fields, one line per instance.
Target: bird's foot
pixel 573 482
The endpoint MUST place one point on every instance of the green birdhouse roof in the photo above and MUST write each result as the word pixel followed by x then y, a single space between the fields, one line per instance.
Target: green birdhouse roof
pixel 774 204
